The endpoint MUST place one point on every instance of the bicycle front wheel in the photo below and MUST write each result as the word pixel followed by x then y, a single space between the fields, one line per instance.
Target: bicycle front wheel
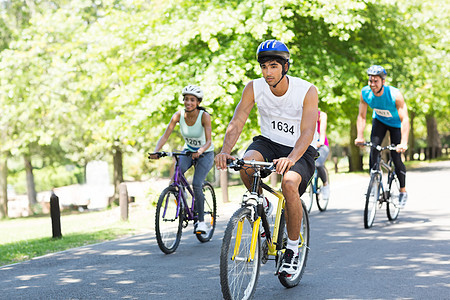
pixel 238 273
pixel 309 196
pixel 372 196
pixel 168 225
pixel 210 212
pixel 303 249
pixel 393 205
pixel 322 203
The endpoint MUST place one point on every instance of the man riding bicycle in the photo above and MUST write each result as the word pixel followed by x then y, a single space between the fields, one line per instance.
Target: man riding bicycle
pixel 389 113
pixel 288 108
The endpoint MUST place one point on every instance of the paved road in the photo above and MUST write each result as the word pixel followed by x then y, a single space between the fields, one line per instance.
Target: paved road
pixel 407 259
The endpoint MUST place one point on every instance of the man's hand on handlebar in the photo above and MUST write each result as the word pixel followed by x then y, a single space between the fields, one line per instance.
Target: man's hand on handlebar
pixel 283 164
pixel 401 148
pixel 359 142
pixel 221 160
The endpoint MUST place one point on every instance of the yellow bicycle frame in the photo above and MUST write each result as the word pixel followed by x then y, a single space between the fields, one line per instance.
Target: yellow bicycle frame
pixel 272 245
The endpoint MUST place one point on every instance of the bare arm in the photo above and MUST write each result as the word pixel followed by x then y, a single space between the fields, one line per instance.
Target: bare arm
pixel 163 139
pixel 404 119
pixel 307 129
pixel 206 123
pixel 361 121
pixel 323 117
pixel 236 125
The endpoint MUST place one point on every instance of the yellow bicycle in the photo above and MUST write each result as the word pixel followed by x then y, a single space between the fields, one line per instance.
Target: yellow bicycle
pixel 248 239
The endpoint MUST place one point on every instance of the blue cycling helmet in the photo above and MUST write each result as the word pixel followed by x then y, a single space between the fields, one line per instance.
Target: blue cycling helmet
pixel 272 48
pixel 376 70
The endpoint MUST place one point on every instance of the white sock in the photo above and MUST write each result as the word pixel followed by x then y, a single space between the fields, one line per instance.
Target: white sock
pixel 293 245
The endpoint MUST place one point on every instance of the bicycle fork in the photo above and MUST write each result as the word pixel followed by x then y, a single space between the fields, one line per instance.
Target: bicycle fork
pixel 255 232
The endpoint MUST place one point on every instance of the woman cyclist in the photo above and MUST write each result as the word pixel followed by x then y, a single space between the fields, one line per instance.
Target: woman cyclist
pixel 195 127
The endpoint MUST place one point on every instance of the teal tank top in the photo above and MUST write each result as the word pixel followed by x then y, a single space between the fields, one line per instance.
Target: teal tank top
pixel 194 135
pixel 384 108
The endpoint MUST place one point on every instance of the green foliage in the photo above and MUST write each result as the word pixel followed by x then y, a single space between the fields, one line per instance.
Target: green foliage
pixel 81 77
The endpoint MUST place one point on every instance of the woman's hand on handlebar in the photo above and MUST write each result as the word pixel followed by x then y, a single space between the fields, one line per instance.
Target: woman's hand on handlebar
pixel 153 156
pixel 221 160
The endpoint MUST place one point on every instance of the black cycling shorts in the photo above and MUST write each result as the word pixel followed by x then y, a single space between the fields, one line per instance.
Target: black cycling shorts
pixel 270 150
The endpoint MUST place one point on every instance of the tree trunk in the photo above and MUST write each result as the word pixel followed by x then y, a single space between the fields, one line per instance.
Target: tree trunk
pixel 118 170
pixel 31 187
pixel 411 139
pixel 3 187
pixel 434 142
pixel 355 158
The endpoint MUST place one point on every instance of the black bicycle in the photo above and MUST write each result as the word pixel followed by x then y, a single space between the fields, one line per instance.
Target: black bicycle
pixel 377 193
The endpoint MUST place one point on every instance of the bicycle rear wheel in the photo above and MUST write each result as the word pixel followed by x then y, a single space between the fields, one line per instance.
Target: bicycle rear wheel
pixel 372 196
pixel 393 206
pixel 210 212
pixel 168 226
pixel 303 250
pixel 238 275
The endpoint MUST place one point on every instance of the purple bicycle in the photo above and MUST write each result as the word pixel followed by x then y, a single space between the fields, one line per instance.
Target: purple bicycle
pixel 173 211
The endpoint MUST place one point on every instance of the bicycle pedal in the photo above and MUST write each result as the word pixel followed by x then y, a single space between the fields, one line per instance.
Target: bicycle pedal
pixel 284 274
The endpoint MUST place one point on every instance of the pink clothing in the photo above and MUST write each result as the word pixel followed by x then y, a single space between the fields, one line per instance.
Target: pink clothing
pixel 318 130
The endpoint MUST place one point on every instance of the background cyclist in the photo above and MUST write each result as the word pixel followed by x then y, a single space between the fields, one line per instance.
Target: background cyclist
pixel 389 113
pixel 195 127
pixel 324 151
pixel 288 115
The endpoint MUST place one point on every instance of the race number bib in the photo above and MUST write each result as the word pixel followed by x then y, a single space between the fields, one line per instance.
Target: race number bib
pixel 196 143
pixel 282 128
pixel 383 113
pixel 283 131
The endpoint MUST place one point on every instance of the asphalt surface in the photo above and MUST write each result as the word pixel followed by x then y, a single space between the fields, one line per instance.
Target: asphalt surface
pixel 405 259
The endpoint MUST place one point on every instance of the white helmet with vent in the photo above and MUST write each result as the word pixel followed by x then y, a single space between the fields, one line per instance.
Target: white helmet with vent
pixel 193 90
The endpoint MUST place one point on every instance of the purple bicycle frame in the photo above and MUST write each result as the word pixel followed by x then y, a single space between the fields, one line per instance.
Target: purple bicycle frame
pixel 179 181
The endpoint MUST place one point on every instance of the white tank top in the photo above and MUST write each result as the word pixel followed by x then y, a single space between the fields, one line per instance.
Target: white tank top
pixel 194 135
pixel 280 117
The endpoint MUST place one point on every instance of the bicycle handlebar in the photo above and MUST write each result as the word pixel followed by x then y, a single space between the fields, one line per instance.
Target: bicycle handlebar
pixel 164 153
pixel 378 147
pixel 239 164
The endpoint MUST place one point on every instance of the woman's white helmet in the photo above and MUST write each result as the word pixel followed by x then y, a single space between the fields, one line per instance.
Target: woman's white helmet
pixel 193 90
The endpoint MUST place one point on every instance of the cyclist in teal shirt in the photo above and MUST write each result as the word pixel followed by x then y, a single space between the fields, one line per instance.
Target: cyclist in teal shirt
pixel 195 127
pixel 389 113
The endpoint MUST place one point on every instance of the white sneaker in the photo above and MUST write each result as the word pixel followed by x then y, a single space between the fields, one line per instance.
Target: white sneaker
pixel 326 192
pixel 268 207
pixel 201 228
pixel 289 263
pixel 402 199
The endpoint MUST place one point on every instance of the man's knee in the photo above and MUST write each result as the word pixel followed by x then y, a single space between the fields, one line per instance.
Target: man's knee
pixel 290 185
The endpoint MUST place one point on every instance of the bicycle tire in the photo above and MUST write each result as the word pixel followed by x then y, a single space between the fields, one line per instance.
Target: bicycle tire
pixel 321 202
pixel 393 206
pixel 294 280
pixel 210 209
pixel 372 196
pixel 310 195
pixel 168 226
pixel 238 277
